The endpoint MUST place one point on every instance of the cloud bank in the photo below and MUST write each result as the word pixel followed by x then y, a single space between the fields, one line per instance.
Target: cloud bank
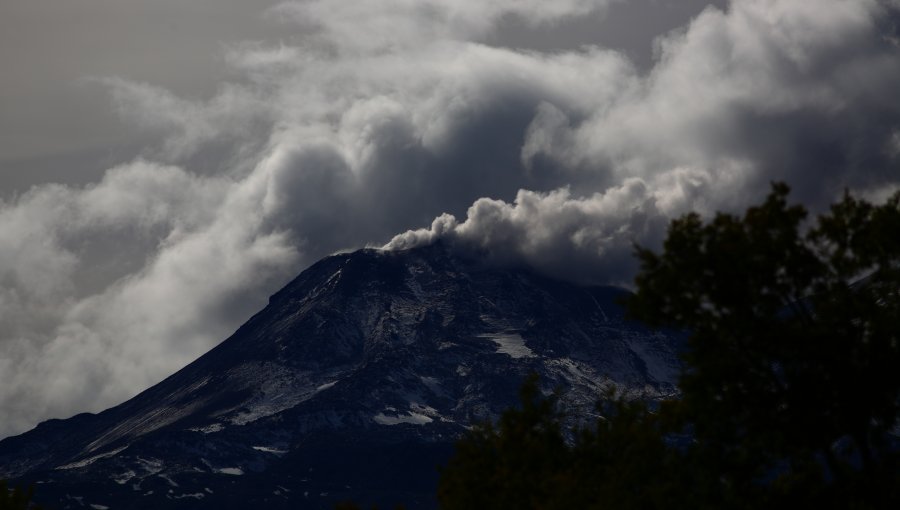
pixel 381 121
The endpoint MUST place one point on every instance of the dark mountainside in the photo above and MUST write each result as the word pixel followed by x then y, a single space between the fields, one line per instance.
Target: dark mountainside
pixel 353 383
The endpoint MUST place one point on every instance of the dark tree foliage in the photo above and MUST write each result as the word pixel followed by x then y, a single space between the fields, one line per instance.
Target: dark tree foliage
pixel 525 461
pixel 16 498
pixel 511 465
pixel 790 389
pixel 793 367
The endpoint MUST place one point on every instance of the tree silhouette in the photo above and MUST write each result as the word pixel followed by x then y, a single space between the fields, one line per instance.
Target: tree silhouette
pixel 16 498
pixel 790 386
pixel 793 365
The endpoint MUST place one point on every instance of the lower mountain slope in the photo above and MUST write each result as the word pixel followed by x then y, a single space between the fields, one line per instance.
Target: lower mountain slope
pixel 353 383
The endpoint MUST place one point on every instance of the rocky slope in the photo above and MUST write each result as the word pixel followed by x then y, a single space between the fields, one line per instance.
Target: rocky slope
pixel 352 383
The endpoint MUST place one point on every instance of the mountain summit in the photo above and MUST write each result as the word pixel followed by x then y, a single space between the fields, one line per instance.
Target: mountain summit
pixel 353 383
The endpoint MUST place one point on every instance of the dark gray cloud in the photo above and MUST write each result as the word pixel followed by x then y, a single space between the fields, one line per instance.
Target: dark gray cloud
pixel 383 118
pixel 629 26
pixel 767 90
pixel 55 123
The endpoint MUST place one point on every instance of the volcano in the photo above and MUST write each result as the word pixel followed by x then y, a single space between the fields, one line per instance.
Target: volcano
pixel 353 383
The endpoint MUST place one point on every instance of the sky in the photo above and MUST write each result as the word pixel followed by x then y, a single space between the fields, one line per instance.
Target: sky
pixel 166 166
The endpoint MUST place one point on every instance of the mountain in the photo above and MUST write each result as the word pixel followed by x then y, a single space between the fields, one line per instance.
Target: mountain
pixel 352 383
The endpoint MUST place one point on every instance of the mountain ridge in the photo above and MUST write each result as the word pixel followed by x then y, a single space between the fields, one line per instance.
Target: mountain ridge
pixel 370 357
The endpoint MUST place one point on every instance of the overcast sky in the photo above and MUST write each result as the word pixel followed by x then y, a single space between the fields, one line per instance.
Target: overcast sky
pixel 167 165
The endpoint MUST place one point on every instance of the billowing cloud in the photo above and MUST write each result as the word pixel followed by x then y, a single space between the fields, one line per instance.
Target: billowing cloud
pixel 796 90
pixel 109 287
pixel 378 120
pixel 553 232
pixel 769 90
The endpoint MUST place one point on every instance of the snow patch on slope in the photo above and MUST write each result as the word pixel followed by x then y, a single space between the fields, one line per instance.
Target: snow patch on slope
pixel 325 386
pixel 123 478
pixel 196 495
pixel 91 460
pixel 418 414
pixel 209 429
pixel 511 344
pixel 269 449
pixel 411 418
pixel 168 479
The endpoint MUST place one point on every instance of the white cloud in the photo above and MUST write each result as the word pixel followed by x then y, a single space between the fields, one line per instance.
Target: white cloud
pixel 201 256
pixel 770 90
pixel 763 62
pixel 376 126
pixel 553 232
